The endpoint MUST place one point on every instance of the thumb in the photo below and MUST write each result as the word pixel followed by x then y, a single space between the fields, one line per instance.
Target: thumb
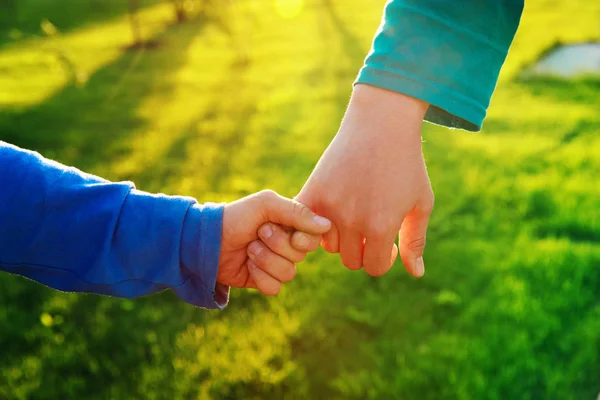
pixel 412 240
pixel 288 212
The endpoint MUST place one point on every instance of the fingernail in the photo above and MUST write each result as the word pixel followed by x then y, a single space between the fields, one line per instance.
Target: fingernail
pixel 254 248
pixel 251 264
pixel 302 240
pixel 322 221
pixel 265 231
pixel 420 267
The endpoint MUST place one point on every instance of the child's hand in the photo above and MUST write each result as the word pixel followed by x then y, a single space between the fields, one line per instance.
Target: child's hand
pixel 271 259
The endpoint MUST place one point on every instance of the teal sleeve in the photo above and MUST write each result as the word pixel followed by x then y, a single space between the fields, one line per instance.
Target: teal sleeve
pixel 447 53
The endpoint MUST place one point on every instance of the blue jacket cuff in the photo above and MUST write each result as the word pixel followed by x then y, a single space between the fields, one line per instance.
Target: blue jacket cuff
pixel 200 251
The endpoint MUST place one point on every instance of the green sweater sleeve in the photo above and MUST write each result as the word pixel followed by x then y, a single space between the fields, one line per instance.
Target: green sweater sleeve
pixel 447 53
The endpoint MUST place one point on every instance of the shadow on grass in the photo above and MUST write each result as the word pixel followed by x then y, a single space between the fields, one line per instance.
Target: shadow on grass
pixel 85 125
pixel 20 19
pixel 227 102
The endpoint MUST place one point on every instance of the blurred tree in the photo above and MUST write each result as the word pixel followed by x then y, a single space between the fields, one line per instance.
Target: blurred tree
pixel 179 6
pixel 7 10
pixel 134 20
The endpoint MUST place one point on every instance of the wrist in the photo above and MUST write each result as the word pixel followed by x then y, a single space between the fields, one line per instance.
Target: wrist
pixel 384 117
pixel 397 108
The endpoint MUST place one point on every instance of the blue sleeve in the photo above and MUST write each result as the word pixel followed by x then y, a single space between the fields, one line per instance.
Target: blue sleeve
pixel 79 233
pixel 447 53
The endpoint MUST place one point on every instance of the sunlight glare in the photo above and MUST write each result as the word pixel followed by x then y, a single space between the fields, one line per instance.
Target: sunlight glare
pixel 289 8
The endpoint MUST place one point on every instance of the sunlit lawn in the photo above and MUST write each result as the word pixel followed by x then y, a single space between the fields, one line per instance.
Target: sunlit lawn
pixel 245 99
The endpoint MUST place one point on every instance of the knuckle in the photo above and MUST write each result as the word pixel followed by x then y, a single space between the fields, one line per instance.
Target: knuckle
pixel 347 223
pixel 267 195
pixel 426 206
pixel 377 228
pixel 305 211
pixel 417 244
pixel 298 209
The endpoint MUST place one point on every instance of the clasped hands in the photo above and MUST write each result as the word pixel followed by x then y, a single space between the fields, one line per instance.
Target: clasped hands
pixel 370 185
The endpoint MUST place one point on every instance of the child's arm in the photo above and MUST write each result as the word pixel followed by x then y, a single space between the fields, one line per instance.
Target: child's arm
pixel 77 232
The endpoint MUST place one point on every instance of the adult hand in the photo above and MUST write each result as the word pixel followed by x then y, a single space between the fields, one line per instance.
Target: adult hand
pixel 256 252
pixel 372 182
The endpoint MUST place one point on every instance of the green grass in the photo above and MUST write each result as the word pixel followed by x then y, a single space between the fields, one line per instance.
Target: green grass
pixel 244 99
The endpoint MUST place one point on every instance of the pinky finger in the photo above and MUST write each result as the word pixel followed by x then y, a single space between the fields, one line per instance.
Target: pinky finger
pixel 264 282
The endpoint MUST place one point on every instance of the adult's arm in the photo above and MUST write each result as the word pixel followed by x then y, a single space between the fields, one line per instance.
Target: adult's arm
pixel 436 60
pixel 79 233
pixel 446 53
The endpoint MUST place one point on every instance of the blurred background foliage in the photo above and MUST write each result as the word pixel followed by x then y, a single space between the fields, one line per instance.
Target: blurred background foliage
pixel 220 99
